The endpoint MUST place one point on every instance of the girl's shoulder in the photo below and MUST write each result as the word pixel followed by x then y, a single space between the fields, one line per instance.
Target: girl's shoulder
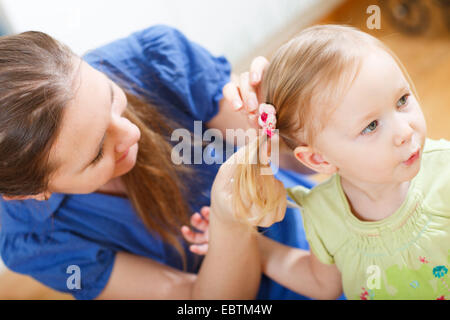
pixel 323 202
pixel 435 159
pixel 436 146
pixel 304 196
pixel 433 180
pixel 323 213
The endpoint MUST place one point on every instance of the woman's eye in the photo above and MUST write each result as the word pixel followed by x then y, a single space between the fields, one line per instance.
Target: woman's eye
pixel 98 158
pixel 371 127
pixel 402 101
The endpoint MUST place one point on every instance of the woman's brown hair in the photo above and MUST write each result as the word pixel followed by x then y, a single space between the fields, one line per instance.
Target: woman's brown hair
pixel 37 75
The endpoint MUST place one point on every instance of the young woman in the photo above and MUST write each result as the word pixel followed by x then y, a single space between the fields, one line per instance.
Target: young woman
pixel 87 177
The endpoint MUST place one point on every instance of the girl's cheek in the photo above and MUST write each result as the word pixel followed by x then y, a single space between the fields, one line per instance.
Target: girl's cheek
pixel 418 119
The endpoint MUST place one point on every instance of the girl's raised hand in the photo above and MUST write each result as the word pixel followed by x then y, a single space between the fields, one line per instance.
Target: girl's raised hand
pixel 200 238
pixel 243 92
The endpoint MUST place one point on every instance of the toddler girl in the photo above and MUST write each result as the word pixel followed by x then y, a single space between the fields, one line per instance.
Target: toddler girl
pixel 379 227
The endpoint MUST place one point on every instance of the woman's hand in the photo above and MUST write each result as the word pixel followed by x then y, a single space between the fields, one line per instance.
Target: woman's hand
pixel 244 91
pixel 222 197
pixel 200 238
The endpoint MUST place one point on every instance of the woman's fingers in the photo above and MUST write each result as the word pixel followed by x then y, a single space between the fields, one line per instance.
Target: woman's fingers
pixel 244 90
pixel 232 94
pixel 248 93
pixel 257 68
pixel 275 215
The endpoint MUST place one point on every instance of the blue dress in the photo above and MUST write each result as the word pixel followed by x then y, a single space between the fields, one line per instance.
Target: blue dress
pixel 42 239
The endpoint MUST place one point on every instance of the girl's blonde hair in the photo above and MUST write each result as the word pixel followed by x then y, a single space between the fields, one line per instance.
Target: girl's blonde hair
pixel 304 82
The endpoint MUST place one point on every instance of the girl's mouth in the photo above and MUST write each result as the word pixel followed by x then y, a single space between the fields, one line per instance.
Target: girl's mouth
pixel 413 158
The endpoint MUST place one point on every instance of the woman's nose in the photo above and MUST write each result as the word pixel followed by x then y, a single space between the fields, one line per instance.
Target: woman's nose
pixel 127 134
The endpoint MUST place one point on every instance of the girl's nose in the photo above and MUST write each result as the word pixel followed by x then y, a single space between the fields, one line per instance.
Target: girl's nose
pixel 404 133
pixel 127 134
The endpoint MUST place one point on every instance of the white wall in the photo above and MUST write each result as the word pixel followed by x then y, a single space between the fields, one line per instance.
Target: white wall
pixel 231 27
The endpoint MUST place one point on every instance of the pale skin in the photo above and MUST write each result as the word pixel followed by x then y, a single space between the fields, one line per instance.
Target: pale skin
pixel 374 130
pixel 95 116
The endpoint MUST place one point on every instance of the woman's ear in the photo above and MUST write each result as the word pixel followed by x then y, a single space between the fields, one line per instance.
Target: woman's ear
pixel 313 160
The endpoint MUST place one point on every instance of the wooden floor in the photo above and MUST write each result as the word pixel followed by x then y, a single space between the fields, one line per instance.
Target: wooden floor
pixel 427 59
pixel 425 56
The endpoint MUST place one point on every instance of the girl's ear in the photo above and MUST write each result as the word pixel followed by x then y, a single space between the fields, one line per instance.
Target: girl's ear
pixel 313 160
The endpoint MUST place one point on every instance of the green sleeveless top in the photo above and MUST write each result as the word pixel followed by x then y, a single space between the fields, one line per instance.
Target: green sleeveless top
pixel 404 256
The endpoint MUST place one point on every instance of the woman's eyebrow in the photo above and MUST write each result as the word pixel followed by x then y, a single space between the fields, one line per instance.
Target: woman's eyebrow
pixel 100 146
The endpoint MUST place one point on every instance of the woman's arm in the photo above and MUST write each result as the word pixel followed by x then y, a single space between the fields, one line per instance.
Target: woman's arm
pixel 299 270
pixel 136 277
pixel 238 110
pixel 229 271
pixel 228 118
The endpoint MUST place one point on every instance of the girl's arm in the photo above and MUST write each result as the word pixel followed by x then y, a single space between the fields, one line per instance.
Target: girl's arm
pixel 296 269
pixel 299 270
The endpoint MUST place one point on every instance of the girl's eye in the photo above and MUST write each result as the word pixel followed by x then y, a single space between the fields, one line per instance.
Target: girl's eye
pixel 371 127
pixel 402 101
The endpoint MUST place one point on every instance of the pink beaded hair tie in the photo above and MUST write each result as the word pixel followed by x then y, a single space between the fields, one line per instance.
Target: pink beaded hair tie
pixel 267 118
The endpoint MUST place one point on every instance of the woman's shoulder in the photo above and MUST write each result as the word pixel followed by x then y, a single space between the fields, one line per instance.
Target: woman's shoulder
pixel 22 215
pixel 162 64
pixel 137 50
pixel 163 47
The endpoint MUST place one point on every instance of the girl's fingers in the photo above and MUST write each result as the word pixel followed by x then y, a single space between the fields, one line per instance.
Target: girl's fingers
pixel 188 234
pixel 200 249
pixel 192 236
pixel 257 68
pixel 199 223
pixel 232 95
pixel 205 212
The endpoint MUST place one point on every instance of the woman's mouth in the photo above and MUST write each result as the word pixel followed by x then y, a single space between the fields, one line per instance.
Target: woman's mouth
pixel 413 158
pixel 123 156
